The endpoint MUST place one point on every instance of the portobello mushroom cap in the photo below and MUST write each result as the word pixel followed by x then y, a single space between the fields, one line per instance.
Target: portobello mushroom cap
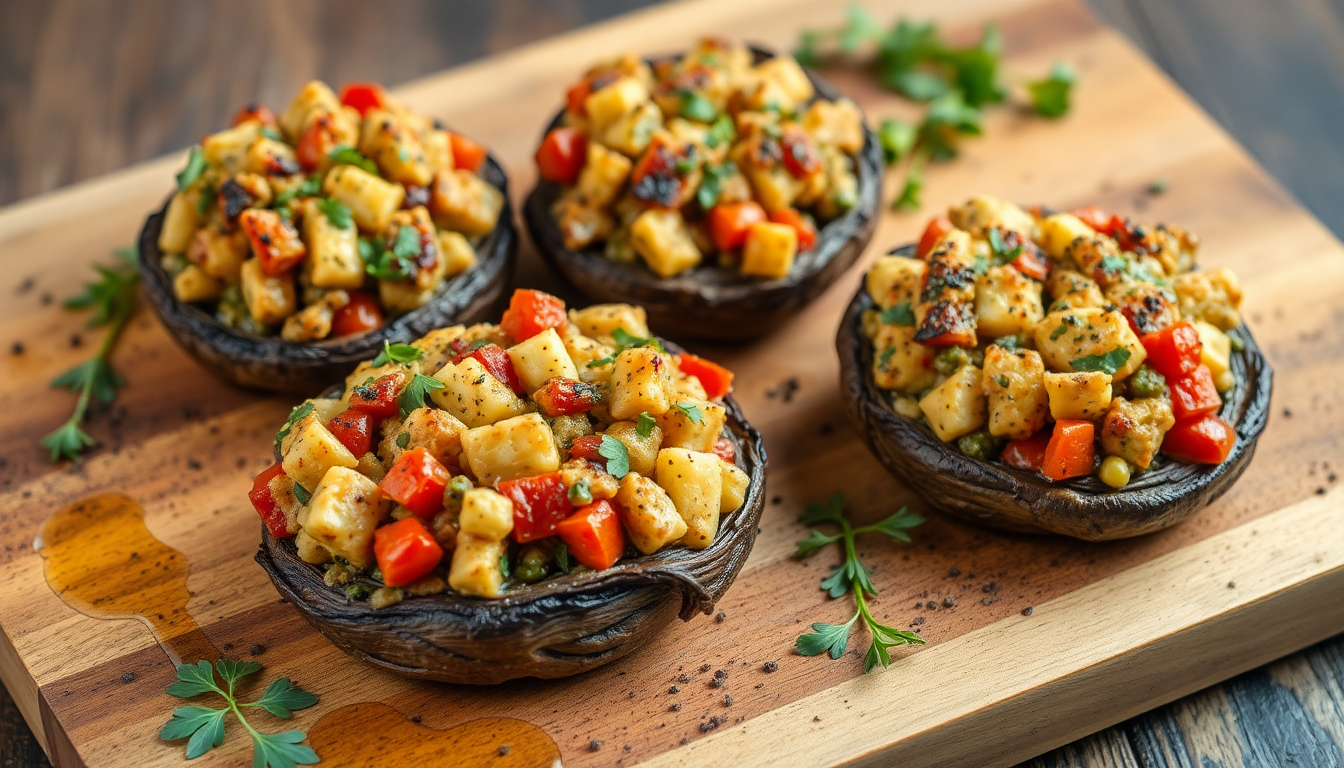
pixel 710 302
pixel 998 496
pixel 271 363
pixel 562 626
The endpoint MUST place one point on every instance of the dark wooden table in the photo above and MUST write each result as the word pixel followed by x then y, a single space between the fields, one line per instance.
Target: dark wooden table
pixel 87 88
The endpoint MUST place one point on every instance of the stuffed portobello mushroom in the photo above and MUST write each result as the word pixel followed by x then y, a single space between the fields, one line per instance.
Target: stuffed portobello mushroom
pixel 558 480
pixel 723 189
pixel 295 245
pixel 1071 372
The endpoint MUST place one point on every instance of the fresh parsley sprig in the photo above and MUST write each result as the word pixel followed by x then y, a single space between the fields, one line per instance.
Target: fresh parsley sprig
pixel 112 299
pixel 852 576
pixel 625 340
pixel 617 456
pixel 397 353
pixel 413 396
pixel 203 727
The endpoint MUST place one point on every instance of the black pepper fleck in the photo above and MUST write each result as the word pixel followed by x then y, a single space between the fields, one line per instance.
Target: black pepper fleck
pixel 1287 413
pixel 987 601
pixel 949 601
pixel 721 674
pixel 1026 611
pixel 676 707
pixel 777 500
pixel 706 667
pixel 1231 585
pixel 674 689
pixel 594 745
pixel 720 617
pixel 16 348
pixel 128 677
pixel 76 340
pixel 256 649
pixel 503 750
pixel 770 666
pixel 953 572
pixel 990 587
pixel 416 719
pixel 727 700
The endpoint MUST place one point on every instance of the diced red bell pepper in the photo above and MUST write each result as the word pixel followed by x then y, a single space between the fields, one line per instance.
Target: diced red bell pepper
pixel 938 226
pixel 361 315
pixel 259 112
pixel 1070 452
pixel 1174 351
pixel 561 156
pixel 947 324
pixel 1094 217
pixel 531 312
pixel 807 231
pixel 577 94
pixel 717 380
pixel 656 179
pixel 363 97
pixel 562 397
pixel 406 552
pixel 275 241
pixel 593 535
pixel 586 447
pixel 1202 440
pixel 354 428
pixel 315 143
pixel 467 154
pixel 275 519
pixel 417 482
pixel 724 449
pixel 379 397
pixel 494 359
pixel 1194 395
pixel 1026 454
pixel 1032 262
pixel 729 222
pixel 539 504
pixel 801 158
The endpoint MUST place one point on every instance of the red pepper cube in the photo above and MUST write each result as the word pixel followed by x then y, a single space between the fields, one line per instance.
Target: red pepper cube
pixel 593 535
pixel 1194 395
pixel 807 231
pixel 494 359
pixel 1201 440
pixel 724 449
pixel 1094 217
pixel 531 312
pixel 1032 262
pixel 259 112
pixel 561 156
pixel 938 226
pixel 406 552
pixel 361 315
pixel 539 504
pixel 354 428
pixel 562 397
pixel 717 380
pixel 275 241
pixel 801 158
pixel 417 482
pixel 363 97
pixel 263 500
pixel 1027 454
pixel 1174 350
pixel 379 397
pixel 729 222
pixel 467 154
pixel 1071 451
pixel 586 447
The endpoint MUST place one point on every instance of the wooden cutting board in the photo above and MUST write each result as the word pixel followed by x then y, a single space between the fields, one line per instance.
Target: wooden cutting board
pixel 1113 629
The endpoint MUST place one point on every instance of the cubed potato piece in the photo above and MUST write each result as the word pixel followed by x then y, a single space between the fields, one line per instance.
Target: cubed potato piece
pixel 179 223
pixel 608 104
pixel 956 407
pixel 395 148
pixel 770 250
pixel 643 450
pixel 566 428
pixel 1068 334
pixel 436 347
pixel 681 431
pixel 1007 302
pixel 1015 387
pixel 640 381
pixel 688 388
pixel 313 452
pixel 1212 296
pixel 313 321
pixel 466 203
pixel 371 200
pixel 193 284
pixel 456 252
pixel 326 408
pixel 315 96
pixel 650 518
pixel 582 224
pixel 1133 429
pixel 227 150
pixel 220 255
pixel 694 482
pixel 1216 354
pixel 399 296
pixel 604 319
pixel 774 187
pixel 1074 289
pixel 789 76
pixel 309 550
pixel 486 514
pixel 735 484
pixel 297 428
pixel 584 350
pixel 899 362
pixel 838 123
pixel 434 429
pixel 345 509
pixel 896 280
pixel 333 253
pixel 1083 395
pixel 518 447
pixel 475 569
pixel 268 157
pixel 269 299
pixel 370 467
pixel 663 240
pixel 540 359
pixel 982 213
pixel 474 395
pixel 632 133
pixel 438 150
pixel 1058 232
pixel 603 176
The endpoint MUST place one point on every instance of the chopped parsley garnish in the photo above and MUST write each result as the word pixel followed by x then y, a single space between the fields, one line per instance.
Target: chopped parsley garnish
pixel 193 170
pixel 403 440
pixel 900 314
pixel 711 186
pixel 1107 363
pixel 1050 97
pixel 696 107
pixel 413 396
pixel 295 416
pixel 1002 253
pixel 1060 331
pixel 302 494
pixel 580 494
pixel 344 154
pixel 721 132
pixel 395 263
pixel 645 424
pixel 625 340
pixel 692 411
pixel 336 212
pixel 618 458
pixel 397 353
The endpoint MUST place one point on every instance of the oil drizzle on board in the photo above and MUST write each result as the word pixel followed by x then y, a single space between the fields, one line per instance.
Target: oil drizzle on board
pixel 364 735
pixel 103 562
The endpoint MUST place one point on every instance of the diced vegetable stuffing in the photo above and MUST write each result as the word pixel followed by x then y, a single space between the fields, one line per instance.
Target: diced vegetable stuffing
pixel 1068 344
pixel 481 459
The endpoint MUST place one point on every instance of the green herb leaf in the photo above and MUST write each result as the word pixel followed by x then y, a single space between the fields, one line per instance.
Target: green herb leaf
pixel 711 186
pixel 203 727
pixel 343 154
pixel 860 27
pixel 1002 253
pixel 413 396
pixel 723 131
pixel 193 680
pixel 825 637
pixel 231 671
pixel 1060 331
pixel 403 354
pixel 302 495
pixel 899 314
pixel 504 568
pixel 580 494
pixel 806 52
pixel 692 411
pixel 295 416
pixel 336 212
pixel 618 458
pixel 918 84
pixel 95 375
pixel 626 340
pixel 67 441
pixel 897 139
pixel 896 525
pixel 833 511
pixel 814 541
pixel 1107 363
pixel 188 720
pixel 1050 97
pixel 193 170
pixel 694 106
pixel 884 359
pixel 207 199
pixel 310 187
pixel 908 199
pixel 562 558
pixel 403 440
pixel 281 750
pixel 282 698
pixel 645 424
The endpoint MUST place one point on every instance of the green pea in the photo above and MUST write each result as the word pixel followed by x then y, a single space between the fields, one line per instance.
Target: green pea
pixel 533 565
pixel 950 359
pixel 976 445
pixel 1147 382
pixel 356 591
pixel 580 495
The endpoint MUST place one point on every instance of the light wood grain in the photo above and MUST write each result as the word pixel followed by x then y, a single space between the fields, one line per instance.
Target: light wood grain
pixel 1174 624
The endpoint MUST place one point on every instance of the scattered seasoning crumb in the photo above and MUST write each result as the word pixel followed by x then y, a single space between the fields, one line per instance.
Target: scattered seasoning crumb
pixel 953 572
pixel 933 605
pixel 632 694
pixel 712 723
pixel 826 428
pixel 727 700
pixel 771 666
pixel 628 748
pixel 721 674
pixel 594 745
pixel 919 605
pixel 1026 611
pixel 683 678
pixel 785 390
pixel 193 464
pixel 816 718
pixel 128 677
pixel 16 348
pixel 674 689
pixel 777 500
pixel 1332 477
pixel 1158 186
pixel 919 621
pixel 257 649
pixel 1287 413
pixel 706 667
pixel 759 686
pixel 1320 491
pixel 716 683
pixel 990 587
pixel 503 750
pixel 720 617
pixel 416 719
pixel 685 739
pixel 949 601
pixel 987 601
pixel 47 299
pixel 1231 585
pixel 76 340
pixel 26 285
pixel 676 707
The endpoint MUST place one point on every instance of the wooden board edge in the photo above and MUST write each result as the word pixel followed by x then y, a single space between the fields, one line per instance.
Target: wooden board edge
pixel 23 688
pixel 1171 626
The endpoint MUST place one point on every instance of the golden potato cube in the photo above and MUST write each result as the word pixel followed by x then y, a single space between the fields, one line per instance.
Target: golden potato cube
pixel 981 213
pixel 474 395
pixel 643 450
pixel 1069 334
pixel 434 429
pixel 227 150
pixel 456 252
pixel 632 133
pixel 956 407
pixel 395 148
pixel 486 514
pixel 466 203
pixel 540 359
pixel 584 350
pixel 1015 387
pixel 220 255
pixel 1216 354
pixel 333 253
pixel 1133 429
pixel 193 284
pixel 775 187
pixel 1084 395
pixel 1058 232
pixel 608 104
pixel 309 550
pixel 640 381
pixel 770 250
pixel 694 482
pixel 269 157
pixel 518 447
pixel 1213 296
pixel 313 452
pixel 1074 289
pixel 603 176
pixel 269 299
pixel 789 76
pixel 682 431
pixel 650 518
pixel 896 280
pixel 345 509
pixel 371 200
pixel 663 240
pixel 604 319
pixel 1007 302
pixel 475 568
pixel 315 96
pixel 436 347
pixel 839 123
pixel 179 223
pixel 735 484
pixel 900 363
